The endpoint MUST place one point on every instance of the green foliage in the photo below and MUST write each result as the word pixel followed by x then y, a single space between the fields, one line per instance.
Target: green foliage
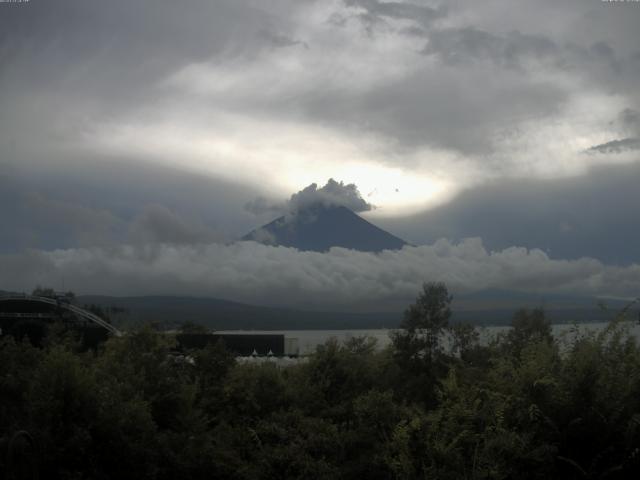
pixel 417 345
pixel 430 313
pixel 524 406
pixel 528 326
pixel 191 327
pixel 40 291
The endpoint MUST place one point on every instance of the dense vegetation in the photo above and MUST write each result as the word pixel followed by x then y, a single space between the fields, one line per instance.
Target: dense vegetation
pixel 528 405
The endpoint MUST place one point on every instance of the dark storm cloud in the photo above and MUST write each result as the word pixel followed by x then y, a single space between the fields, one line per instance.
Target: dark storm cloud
pixel 463 104
pixel 77 205
pixel 420 13
pixel 157 224
pixel 375 12
pixel 280 40
pixel 516 50
pixel 629 122
pixel 616 146
pixel 602 50
pixel 534 58
pixel 630 118
pixel 457 108
pixel 433 107
pixel 33 218
pixel 93 62
pixel 469 44
pixel 71 64
pixel 593 215
pixel 420 110
pixel 141 37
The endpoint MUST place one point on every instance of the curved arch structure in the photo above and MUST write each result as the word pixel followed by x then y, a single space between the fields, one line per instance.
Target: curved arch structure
pixel 66 306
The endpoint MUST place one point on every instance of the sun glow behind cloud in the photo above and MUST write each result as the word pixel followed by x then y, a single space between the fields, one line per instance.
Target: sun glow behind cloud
pixel 277 158
pixel 271 119
pixel 399 105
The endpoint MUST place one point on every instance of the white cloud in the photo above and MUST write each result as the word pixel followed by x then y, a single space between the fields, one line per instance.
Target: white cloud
pixel 250 272
pixel 332 194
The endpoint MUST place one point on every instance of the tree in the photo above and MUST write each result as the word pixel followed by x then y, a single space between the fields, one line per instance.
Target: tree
pixel 192 327
pixel 431 310
pixel 40 291
pixel 426 319
pixel 417 344
pixel 529 326
pixel 464 341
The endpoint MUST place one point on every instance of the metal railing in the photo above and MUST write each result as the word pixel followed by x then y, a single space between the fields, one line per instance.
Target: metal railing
pixel 65 305
pixel 26 315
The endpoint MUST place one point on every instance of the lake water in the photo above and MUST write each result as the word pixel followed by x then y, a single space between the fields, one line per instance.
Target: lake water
pixel 308 340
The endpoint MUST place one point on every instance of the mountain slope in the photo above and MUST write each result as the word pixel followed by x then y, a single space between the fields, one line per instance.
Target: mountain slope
pixel 319 228
pixel 171 311
pixel 479 308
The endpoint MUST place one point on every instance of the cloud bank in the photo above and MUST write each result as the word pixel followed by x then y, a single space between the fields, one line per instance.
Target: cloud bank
pixel 331 195
pixel 340 279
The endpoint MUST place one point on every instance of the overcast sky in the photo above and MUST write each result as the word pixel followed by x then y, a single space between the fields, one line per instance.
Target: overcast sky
pixel 181 125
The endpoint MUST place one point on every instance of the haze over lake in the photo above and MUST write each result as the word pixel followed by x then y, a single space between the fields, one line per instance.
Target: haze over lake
pixel 308 340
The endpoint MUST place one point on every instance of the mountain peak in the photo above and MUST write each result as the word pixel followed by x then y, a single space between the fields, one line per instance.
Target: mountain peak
pixel 320 227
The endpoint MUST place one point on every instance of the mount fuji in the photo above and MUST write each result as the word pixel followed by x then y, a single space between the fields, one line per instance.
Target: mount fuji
pixel 320 227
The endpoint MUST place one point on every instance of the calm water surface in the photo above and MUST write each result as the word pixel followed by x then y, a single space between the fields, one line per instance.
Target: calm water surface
pixel 308 340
